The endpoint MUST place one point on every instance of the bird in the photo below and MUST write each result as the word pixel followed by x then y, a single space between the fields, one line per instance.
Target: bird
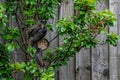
pixel 37 32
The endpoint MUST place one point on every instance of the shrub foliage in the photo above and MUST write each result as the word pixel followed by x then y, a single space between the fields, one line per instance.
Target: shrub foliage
pixel 79 32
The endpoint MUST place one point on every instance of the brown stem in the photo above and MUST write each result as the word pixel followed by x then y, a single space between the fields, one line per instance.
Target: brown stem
pixel 25 27
pixel 54 61
pixel 20 19
pixel 21 33
pixel 22 47
pixel 54 38
pixel 35 77
pixel 23 40
pixel 21 7
pixel 68 50
pixel 66 56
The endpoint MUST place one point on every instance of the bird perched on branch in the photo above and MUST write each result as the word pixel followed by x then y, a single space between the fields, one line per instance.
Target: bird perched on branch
pixel 36 33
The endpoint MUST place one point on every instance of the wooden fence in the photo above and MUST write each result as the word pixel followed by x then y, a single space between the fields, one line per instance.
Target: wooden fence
pixel 101 63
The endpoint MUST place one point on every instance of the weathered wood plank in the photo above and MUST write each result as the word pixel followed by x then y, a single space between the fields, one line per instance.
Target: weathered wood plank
pixel 50 36
pixel 66 72
pixel 113 51
pixel 18 55
pixel 83 66
pixel 66 9
pixel 118 20
pixel 100 70
pixel 1 1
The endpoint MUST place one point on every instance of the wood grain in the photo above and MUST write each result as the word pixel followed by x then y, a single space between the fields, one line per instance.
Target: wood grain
pixel 66 10
pixel 83 65
pixel 100 70
pixel 113 51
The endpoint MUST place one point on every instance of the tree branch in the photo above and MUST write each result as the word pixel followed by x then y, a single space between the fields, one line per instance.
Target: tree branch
pixel 23 16
pixel 68 50
pixel 21 34
pixel 54 38
pixel 21 47
pixel 20 19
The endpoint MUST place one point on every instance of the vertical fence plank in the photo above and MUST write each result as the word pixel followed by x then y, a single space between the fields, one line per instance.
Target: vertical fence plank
pixel 1 1
pixel 83 67
pixel 18 54
pixel 100 70
pixel 118 20
pixel 50 36
pixel 113 51
pixel 66 72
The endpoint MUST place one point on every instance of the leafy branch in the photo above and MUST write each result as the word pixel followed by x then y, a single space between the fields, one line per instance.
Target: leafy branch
pixel 79 32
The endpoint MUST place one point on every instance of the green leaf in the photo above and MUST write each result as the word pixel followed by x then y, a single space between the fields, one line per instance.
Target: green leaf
pixel 50 27
pixel 33 70
pixel 22 70
pixel 12 65
pixel 17 66
pixel 32 51
pixel 10 46
pixel 63 29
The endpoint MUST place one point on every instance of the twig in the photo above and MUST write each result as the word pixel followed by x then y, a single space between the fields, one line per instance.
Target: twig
pixel 54 38
pixel 18 42
pixel 21 7
pixel 54 61
pixel 20 19
pixel 22 37
pixel 101 43
pixel 26 27
pixel 21 46
pixel 68 50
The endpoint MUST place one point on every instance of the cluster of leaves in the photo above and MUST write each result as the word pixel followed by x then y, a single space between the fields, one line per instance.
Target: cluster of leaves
pixel 8 34
pixel 33 71
pixel 39 10
pixel 30 68
pixel 26 14
pixel 77 33
pixel 82 31
pixel 5 69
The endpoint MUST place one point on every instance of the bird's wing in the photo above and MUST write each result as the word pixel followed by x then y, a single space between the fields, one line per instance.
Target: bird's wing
pixel 33 30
